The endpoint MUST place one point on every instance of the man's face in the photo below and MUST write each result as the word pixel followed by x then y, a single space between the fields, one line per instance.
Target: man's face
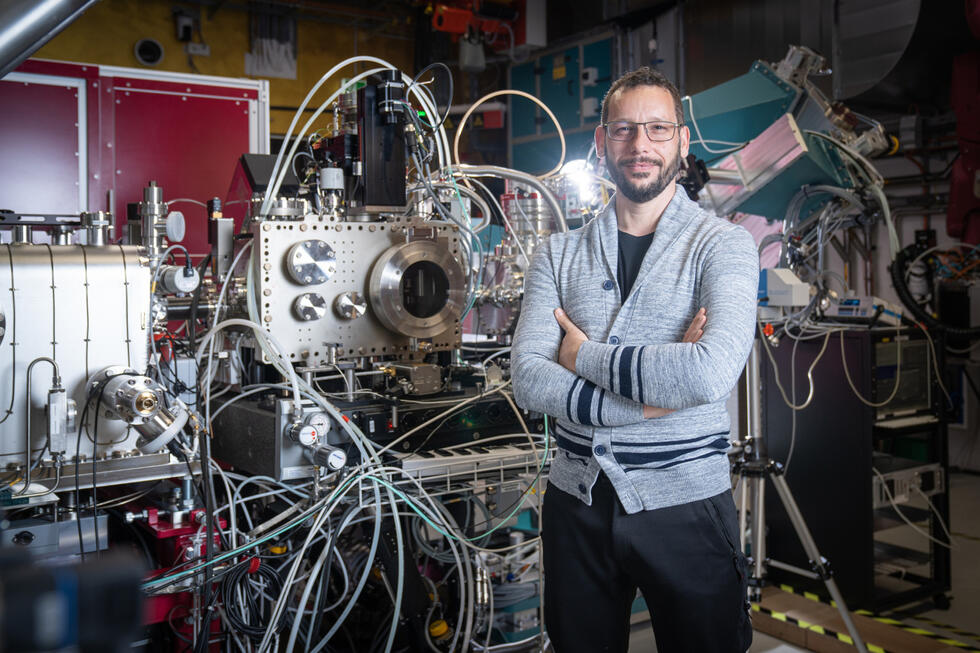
pixel 642 169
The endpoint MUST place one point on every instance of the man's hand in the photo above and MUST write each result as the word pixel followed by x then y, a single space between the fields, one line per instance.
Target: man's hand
pixel 696 330
pixel 693 334
pixel 574 337
pixel 570 343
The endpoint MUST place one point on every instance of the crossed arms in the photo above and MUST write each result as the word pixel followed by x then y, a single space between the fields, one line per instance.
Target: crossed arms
pixel 594 383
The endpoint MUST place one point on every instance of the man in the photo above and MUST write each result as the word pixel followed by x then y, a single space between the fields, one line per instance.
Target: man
pixel 633 331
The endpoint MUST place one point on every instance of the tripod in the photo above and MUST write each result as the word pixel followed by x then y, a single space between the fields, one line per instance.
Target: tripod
pixel 754 467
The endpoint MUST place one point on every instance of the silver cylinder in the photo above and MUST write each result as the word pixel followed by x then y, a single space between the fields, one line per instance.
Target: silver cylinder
pixel 23 234
pixel 62 235
pixel 98 226
pixel 152 212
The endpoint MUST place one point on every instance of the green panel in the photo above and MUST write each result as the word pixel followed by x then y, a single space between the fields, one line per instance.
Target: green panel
pixel 598 55
pixel 490 238
pixel 913 447
pixel 523 111
pixel 820 165
pixel 559 89
pixel 541 155
pixel 738 110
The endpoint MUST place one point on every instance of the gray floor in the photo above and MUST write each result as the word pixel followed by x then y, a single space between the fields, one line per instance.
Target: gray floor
pixel 964 612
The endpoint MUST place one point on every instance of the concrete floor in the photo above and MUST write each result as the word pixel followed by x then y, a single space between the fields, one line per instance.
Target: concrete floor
pixel 963 614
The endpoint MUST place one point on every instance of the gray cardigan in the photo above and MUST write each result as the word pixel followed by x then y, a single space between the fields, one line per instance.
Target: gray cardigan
pixel 634 355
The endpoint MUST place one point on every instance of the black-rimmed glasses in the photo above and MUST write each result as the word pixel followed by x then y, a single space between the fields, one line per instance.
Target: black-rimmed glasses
pixel 657 130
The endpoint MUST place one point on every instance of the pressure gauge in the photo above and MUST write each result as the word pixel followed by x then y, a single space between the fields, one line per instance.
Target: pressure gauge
pixel 319 421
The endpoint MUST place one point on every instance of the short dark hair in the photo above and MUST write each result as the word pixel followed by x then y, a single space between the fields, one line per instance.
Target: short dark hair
pixel 645 76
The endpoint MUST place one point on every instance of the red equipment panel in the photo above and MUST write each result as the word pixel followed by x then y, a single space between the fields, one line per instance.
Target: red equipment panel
pixel 182 133
pixel 187 143
pixel 39 169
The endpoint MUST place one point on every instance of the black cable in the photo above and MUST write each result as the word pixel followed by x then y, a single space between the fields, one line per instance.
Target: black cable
pixel 897 272
pixel 195 300
pixel 78 463
pixel 207 591
pixel 449 101
pixel 255 622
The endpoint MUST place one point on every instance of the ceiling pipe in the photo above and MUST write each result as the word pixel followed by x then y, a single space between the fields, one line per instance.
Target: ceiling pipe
pixel 26 25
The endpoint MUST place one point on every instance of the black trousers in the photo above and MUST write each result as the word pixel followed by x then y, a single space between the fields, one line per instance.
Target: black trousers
pixel 685 559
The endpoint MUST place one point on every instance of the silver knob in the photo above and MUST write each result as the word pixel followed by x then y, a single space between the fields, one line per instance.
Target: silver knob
pixel 350 305
pixel 310 306
pixel 330 457
pixel 311 262
pixel 303 434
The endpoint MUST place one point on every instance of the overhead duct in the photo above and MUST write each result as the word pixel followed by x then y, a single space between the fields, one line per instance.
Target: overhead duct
pixel 26 25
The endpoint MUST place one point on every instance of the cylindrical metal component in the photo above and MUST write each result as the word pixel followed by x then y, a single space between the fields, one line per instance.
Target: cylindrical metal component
pixel 310 306
pixel 331 179
pixel 179 308
pixel 530 219
pixel 753 391
pixel 176 279
pixel 98 225
pixel 125 394
pixel 152 211
pixel 23 234
pixel 160 429
pixel 62 235
pixel 287 209
pixel 417 289
pixel 311 262
pixel 153 194
pixel 330 457
pixel 350 305
pixel 304 434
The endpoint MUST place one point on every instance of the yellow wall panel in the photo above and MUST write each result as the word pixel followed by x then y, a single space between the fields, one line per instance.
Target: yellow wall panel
pixel 107 33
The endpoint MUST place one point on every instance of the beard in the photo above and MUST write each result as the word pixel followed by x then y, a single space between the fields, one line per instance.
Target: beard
pixel 651 186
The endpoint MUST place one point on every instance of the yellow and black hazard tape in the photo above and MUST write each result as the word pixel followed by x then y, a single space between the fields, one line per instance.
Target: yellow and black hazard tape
pixel 888 620
pixel 938 624
pixel 805 625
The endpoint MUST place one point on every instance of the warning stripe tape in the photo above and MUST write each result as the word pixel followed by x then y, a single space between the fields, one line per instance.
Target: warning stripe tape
pixel 939 624
pixel 843 637
pixel 885 619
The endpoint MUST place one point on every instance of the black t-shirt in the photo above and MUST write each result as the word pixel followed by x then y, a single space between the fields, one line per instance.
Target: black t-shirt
pixel 632 249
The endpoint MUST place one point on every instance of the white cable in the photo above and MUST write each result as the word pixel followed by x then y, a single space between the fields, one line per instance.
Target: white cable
pixel 268 343
pixel 932 507
pixel 894 504
pixel 299 112
pixel 279 170
pixel 700 139
pixel 279 173
pixel 489 96
pixel 809 372
pixel 935 363
pixel 898 373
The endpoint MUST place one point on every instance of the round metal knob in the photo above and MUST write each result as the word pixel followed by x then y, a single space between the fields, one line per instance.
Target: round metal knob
pixel 330 457
pixel 310 306
pixel 304 434
pixel 311 262
pixel 350 305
